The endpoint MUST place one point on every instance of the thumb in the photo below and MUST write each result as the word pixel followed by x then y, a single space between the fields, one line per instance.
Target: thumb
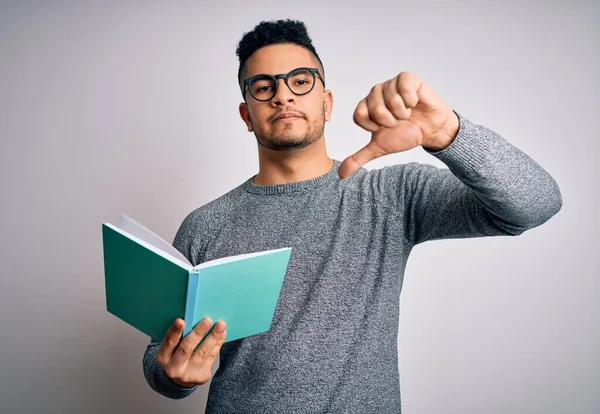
pixel 353 163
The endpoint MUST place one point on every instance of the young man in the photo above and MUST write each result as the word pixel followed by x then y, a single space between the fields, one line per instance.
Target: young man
pixel 332 346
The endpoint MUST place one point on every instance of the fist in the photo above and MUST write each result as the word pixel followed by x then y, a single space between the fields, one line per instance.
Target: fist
pixel 401 114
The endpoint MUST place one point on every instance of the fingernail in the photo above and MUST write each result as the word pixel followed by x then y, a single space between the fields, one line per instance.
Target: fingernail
pixel 220 327
pixel 206 322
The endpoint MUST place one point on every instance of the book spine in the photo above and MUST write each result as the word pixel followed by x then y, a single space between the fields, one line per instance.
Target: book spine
pixel 190 302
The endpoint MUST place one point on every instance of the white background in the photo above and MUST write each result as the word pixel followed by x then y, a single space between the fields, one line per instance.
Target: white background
pixel 110 107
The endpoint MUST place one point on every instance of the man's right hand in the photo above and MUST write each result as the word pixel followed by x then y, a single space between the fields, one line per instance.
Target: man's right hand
pixel 183 363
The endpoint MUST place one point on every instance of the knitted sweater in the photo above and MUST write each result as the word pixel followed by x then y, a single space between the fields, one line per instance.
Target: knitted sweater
pixel 332 346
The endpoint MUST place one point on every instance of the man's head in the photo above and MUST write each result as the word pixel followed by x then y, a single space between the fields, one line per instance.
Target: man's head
pixel 280 48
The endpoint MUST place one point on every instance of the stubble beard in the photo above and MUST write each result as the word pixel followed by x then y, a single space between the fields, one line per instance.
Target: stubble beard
pixel 287 140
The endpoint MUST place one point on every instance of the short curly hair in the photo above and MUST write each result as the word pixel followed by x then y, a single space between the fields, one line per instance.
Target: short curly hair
pixel 274 32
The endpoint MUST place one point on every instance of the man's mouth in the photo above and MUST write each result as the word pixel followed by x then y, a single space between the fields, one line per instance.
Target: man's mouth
pixel 287 117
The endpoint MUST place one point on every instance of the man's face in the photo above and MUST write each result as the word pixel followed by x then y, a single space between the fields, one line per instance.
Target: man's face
pixel 313 109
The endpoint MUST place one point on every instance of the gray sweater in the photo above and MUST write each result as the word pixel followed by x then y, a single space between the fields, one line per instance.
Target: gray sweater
pixel 332 346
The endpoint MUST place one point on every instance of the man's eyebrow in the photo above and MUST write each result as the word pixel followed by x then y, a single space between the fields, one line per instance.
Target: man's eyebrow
pixel 282 73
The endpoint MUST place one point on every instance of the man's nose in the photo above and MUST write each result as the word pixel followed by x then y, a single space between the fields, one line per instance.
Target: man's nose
pixel 283 95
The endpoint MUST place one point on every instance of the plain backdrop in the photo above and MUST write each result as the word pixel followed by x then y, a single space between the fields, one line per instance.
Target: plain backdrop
pixel 111 106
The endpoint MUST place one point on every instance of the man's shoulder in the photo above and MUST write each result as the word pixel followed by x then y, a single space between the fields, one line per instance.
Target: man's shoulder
pixel 387 184
pixel 377 179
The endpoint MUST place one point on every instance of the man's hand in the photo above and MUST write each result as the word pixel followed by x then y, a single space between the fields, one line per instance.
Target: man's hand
pixel 401 113
pixel 183 363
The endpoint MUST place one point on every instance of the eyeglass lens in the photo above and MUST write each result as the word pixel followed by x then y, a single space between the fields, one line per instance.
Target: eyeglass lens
pixel 300 82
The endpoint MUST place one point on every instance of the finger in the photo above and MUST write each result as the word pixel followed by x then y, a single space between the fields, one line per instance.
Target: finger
pixel 394 101
pixel 362 119
pixel 408 86
pixel 188 345
pixel 170 341
pixel 353 163
pixel 210 347
pixel 378 111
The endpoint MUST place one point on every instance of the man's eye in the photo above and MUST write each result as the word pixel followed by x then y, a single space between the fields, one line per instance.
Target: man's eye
pixel 263 89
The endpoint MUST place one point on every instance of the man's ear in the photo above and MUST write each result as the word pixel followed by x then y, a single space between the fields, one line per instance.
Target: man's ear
pixel 327 104
pixel 245 114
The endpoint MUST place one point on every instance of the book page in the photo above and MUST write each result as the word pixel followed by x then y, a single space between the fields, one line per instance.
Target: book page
pixel 140 231
pixel 151 247
pixel 238 257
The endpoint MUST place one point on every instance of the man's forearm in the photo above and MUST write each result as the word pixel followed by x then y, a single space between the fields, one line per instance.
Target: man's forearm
pixel 506 181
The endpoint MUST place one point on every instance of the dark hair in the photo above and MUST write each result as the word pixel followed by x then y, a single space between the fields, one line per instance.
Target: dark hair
pixel 274 32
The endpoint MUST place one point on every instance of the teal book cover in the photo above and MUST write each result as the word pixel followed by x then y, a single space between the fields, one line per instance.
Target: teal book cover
pixel 148 284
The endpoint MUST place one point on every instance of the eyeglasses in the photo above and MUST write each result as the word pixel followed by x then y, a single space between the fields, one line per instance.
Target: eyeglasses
pixel 300 81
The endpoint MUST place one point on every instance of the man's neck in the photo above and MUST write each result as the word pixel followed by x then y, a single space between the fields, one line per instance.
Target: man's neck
pixel 282 167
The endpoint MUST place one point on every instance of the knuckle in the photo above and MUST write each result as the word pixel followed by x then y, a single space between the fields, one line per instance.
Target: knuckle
pixel 204 376
pixel 390 86
pixel 404 75
pixel 396 101
pixel 185 348
pixel 361 111
pixel 379 112
pixel 203 353
pixel 359 115
pixel 406 83
pixel 171 372
pixel 405 87
pixel 171 341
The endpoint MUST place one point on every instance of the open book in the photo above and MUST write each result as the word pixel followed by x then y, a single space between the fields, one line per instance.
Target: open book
pixel 149 284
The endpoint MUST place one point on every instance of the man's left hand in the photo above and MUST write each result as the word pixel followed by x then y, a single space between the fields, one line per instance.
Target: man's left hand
pixel 401 114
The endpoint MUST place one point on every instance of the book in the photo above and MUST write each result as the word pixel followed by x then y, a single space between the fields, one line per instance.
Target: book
pixel 149 283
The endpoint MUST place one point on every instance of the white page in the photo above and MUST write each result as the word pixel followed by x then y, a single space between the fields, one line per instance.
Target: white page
pixel 234 258
pixel 162 253
pixel 141 232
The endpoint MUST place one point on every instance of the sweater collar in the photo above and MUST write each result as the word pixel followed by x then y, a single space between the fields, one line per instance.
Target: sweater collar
pixel 298 186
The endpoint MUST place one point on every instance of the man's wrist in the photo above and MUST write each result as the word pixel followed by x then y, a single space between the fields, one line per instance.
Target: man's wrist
pixel 446 135
pixel 182 384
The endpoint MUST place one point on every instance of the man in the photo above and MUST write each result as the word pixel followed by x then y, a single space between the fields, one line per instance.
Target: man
pixel 332 346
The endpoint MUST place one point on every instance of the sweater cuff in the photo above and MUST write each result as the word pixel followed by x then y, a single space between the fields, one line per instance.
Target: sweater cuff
pixel 164 379
pixel 468 151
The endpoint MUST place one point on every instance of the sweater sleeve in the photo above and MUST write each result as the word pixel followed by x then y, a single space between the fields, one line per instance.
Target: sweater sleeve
pixel 190 241
pixel 490 188
pixel 157 378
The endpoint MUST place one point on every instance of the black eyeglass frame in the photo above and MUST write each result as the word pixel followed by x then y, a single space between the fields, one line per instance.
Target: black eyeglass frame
pixel 275 78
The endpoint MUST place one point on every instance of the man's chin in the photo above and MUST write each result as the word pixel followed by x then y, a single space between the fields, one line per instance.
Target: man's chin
pixel 284 145
pixel 288 143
